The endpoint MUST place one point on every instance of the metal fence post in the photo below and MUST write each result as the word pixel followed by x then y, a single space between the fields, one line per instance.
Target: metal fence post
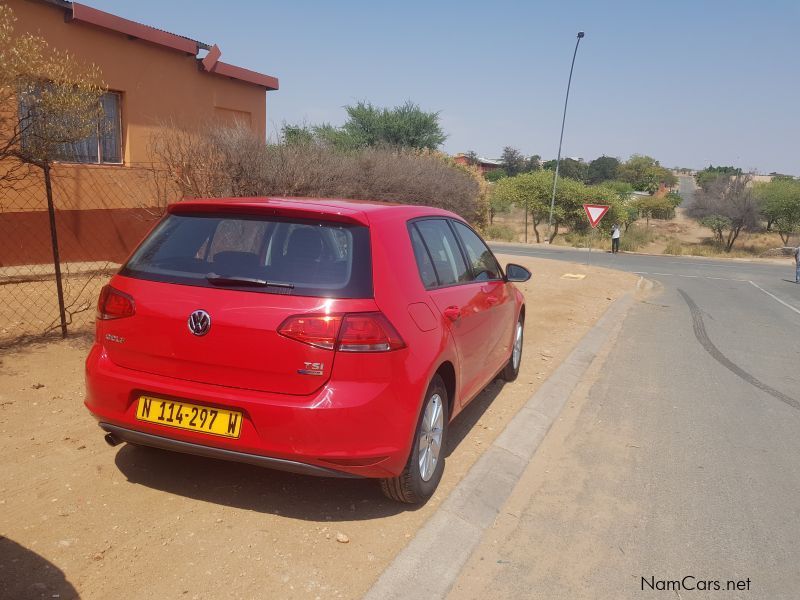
pixel 54 241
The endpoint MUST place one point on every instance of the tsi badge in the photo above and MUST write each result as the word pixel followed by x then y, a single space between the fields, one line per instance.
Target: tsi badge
pixel 312 368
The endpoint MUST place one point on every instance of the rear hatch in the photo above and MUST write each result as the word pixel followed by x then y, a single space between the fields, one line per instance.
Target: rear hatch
pixel 209 292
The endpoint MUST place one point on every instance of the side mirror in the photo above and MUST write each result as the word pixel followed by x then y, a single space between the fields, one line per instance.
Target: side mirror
pixel 517 273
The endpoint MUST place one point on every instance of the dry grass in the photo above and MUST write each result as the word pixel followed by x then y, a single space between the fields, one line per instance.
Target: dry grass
pixel 749 245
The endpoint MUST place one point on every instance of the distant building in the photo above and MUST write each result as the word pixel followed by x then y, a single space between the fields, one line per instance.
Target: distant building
pixel 484 164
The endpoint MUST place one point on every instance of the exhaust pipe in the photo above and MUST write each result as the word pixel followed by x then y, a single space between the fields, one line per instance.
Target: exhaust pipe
pixel 111 440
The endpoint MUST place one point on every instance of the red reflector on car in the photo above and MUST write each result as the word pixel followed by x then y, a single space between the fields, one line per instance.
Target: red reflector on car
pixel 114 304
pixel 368 332
pixel 315 330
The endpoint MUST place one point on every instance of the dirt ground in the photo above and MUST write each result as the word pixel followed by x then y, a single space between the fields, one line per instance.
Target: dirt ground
pixel 81 519
pixel 682 228
pixel 29 298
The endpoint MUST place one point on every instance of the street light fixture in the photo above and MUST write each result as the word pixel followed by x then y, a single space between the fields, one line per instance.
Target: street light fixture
pixel 561 139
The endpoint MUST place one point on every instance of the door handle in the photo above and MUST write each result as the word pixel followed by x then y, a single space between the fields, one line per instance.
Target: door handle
pixel 492 299
pixel 453 313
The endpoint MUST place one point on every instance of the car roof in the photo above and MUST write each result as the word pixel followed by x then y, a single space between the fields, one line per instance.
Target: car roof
pixel 363 211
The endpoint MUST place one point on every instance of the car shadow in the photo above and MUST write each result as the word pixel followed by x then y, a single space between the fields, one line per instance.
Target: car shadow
pixel 26 575
pixel 303 497
pixel 249 487
pixel 467 418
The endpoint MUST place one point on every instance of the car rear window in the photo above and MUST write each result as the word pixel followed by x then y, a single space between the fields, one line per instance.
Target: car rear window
pixel 260 254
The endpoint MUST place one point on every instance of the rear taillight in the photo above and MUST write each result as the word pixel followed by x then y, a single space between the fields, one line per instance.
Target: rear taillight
pixel 319 331
pixel 358 332
pixel 114 304
pixel 368 332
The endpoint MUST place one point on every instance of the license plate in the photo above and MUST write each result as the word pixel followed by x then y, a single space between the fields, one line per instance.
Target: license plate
pixel 182 415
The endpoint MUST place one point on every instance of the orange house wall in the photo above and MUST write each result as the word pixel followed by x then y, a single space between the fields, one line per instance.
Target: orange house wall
pixel 158 85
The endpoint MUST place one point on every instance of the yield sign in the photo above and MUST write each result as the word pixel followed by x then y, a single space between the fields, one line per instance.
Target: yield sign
pixel 595 212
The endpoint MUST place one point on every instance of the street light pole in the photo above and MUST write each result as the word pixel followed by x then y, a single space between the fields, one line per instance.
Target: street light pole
pixel 561 139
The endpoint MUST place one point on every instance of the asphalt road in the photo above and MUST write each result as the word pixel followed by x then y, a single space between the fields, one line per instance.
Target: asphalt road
pixel 686 188
pixel 684 459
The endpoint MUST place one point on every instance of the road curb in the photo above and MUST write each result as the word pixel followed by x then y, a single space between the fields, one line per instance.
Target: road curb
pixel 446 540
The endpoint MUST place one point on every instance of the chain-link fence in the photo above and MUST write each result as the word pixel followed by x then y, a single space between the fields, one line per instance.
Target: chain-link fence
pixel 100 214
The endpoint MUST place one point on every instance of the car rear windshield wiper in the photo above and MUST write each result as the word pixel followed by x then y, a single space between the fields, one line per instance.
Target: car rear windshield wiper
pixel 215 279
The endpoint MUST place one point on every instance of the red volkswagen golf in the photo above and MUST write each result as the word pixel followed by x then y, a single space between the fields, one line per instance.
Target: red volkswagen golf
pixel 328 337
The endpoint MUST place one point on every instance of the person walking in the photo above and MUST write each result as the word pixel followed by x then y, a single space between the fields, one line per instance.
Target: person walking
pixel 615 233
pixel 797 265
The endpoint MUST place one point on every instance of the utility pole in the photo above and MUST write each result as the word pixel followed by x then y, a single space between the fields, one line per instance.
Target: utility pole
pixel 561 139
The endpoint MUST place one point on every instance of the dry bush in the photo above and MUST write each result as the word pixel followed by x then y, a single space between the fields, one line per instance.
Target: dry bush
pixel 220 161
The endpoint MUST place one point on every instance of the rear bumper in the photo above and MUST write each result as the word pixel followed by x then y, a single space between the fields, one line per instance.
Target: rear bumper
pixel 348 427
pixel 146 439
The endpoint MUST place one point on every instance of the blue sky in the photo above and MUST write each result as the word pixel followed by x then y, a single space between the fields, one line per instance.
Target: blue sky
pixel 690 83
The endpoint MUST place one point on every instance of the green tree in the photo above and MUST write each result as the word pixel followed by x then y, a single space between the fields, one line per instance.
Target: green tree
pixel 530 191
pixel 711 173
pixel 603 168
pixel 404 126
pixel 653 207
pixel 608 195
pixel 513 161
pixel 780 205
pixel 569 168
pixel 534 163
pixel 675 199
pixel 623 192
pixel 645 173
pixel 297 134
pixel 495 175
pixel 718 225
pixel 727 206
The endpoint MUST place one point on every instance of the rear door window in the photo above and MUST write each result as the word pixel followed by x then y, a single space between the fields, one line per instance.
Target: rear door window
pixel 444 252
pixel 482 261
pixel 271 255
pixel 424 264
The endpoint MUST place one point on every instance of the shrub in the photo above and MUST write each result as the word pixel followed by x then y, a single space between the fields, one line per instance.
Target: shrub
pixel 635 237
pixel 218 161
pixel 500 232
pixel 495 175
pixel 674 247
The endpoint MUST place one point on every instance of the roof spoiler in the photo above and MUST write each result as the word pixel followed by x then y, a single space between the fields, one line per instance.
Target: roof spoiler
pixel 266 207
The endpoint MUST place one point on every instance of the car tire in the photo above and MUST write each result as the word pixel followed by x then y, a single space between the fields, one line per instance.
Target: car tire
pixel 511 370
pixel 425 465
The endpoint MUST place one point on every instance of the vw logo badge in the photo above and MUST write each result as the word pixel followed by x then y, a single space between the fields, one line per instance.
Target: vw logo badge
pixel 199 322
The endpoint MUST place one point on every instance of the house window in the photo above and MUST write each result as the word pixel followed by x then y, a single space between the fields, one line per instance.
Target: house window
pixel 105 146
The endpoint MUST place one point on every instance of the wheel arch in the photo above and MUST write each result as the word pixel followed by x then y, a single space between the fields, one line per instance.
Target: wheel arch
pixel 447 372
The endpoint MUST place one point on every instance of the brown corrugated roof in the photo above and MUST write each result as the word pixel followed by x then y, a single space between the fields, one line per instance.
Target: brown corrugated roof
pixel 80 13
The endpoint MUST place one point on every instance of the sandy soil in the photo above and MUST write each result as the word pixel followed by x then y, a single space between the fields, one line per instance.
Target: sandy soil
pixel 29 300
pixel 78 518
pixel 681 227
